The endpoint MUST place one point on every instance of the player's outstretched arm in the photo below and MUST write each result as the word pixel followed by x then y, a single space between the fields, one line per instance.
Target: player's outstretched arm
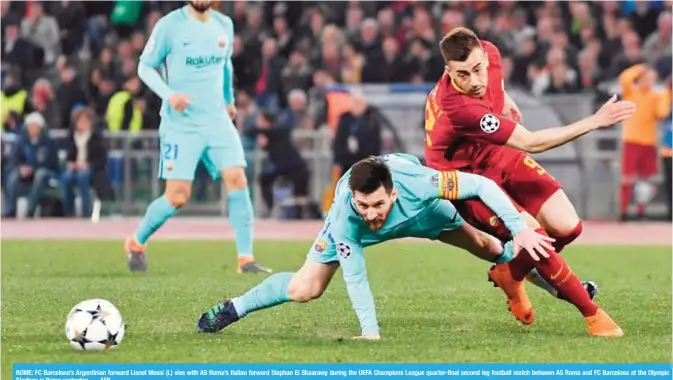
pixel 612 112
pixel 352 261
pixel 459 185
pixel 454 185
pixel 155 52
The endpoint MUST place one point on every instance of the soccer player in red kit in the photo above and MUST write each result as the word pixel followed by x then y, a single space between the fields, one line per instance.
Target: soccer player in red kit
pixel 465 130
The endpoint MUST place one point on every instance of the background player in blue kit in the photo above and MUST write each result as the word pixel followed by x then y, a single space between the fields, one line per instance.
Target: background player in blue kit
pixel 382 199
pixel 187 63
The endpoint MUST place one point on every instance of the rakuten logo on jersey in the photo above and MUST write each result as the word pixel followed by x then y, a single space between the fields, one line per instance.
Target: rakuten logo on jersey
pixel 204 61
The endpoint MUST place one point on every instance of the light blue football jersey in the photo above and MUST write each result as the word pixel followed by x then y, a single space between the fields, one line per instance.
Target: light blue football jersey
pixel 422 209
pixel 194 58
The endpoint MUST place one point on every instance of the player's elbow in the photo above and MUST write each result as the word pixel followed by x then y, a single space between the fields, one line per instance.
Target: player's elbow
pixel 527 142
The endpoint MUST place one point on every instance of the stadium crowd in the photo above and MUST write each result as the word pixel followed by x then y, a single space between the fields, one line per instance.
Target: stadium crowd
pixel 72 66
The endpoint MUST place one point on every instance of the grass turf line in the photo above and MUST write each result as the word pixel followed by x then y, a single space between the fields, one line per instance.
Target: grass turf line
pixel 433 303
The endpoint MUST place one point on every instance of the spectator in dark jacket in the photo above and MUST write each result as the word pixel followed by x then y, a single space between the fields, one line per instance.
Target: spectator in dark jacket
pixel 284 158
pixel 86 159
pixel 358 134
pixel 34 161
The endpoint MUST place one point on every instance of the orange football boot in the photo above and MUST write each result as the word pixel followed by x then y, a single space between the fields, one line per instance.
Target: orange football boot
pixel 135 254
pixel 517 298
pixel 602 325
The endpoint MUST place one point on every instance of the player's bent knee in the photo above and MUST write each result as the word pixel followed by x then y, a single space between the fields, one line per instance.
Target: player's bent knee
pixel 234 178
pixel 304 290
pixel 178 194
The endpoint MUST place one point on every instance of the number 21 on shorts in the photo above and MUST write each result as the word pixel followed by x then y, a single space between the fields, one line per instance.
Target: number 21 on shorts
pixel 170 152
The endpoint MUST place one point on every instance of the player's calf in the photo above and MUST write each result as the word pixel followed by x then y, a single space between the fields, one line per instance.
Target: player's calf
pixel 271 292
pixel 560 220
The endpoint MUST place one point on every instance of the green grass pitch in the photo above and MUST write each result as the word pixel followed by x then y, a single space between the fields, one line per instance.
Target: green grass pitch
pixel 433 303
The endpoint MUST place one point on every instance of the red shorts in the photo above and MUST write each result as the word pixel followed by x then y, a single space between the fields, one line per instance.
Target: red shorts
pixel 527 184
pixel 639 160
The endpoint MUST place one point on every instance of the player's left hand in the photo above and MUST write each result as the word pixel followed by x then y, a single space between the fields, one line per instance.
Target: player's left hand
pixel 231 110
pixel 367 336
pixel 533 243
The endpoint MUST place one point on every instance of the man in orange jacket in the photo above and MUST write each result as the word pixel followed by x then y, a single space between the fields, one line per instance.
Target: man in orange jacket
pixel 640 133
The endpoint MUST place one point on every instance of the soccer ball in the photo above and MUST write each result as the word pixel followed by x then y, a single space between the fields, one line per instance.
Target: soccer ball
pixel 94 325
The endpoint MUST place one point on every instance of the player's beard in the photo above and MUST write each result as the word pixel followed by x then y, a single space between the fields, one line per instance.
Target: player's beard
pixel 201 6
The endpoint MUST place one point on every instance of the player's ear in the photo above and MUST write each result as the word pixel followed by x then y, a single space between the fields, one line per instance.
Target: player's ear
pixel 393 194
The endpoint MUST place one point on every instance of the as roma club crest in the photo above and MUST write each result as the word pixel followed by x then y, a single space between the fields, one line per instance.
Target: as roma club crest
pixel 222 41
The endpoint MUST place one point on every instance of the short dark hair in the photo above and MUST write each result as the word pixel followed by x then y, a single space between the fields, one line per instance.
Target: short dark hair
pixel 369 174
pixel 458 44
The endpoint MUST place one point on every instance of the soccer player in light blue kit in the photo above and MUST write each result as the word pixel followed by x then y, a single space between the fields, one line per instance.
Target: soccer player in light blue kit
pixel 377 200
pixel 187 63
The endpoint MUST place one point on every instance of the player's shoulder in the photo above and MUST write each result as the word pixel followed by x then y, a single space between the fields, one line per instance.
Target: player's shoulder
pixel 492 51
pixel 489 48
pixel 223 19
pixel 454 102
pixel 171 18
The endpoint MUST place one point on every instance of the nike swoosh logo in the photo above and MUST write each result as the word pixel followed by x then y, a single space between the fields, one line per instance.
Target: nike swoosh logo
pixel 555 276
pixel 455 216
pixel 186 43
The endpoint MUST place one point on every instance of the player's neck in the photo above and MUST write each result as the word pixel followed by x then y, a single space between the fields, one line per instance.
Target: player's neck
pixel 201 16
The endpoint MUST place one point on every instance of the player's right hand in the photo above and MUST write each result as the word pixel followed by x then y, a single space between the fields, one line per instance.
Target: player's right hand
pixel 179 102
pixel 534 244
pixel 613 112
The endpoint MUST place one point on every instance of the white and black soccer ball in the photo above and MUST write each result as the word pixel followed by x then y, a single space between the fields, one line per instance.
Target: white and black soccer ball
pixel 489 123
pixel 94 325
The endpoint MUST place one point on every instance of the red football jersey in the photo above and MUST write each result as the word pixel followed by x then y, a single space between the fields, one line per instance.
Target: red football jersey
pixel 467 133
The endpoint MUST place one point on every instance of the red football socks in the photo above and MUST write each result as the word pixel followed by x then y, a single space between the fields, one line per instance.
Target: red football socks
pixel 558 274
pixel 562 241
pixel 626 197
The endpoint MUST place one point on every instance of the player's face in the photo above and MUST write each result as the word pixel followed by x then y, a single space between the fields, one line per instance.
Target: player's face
pixel 472 74
pixel 201 6
pixel 375 207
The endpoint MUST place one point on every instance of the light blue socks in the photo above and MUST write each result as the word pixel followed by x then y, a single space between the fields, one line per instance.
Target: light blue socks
pixel 158 212
pixel 241 218
pixel 271 292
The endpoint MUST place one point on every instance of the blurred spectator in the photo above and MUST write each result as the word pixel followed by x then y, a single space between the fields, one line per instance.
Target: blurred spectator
pixel 42 30
pixel 70 16
pixel 126 107
pixel 297 73
pixel 284 159
pixel 102 93
pixel 268 85
pixel 34 163
pixel 639 152
pixel 42 100
pixel 353 69
pixel 590 74
pixel 13 99
pixel 358 135
pixel 86 159
pixel 394 69
pixel 658 44
pixel 244 66
pixel 20 52
pixel 283 35
pixel 423 63
pixel 630 55
pixel 296 115
pixel 69 93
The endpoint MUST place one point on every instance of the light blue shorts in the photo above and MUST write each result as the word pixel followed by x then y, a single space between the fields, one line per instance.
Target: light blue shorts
pixel 439 217
pixel 182 148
